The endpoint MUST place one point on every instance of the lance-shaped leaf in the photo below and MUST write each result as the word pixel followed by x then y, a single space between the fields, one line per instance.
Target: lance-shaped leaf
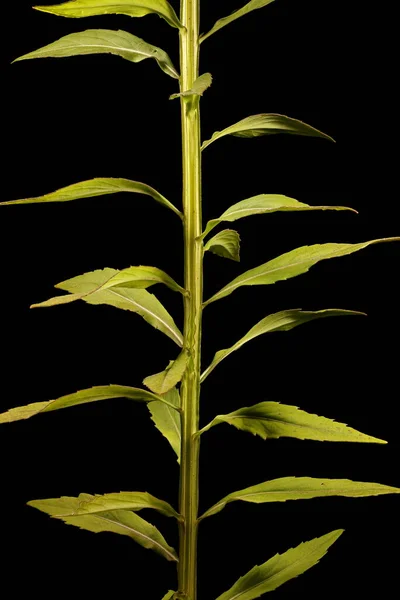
pixel 201 84
pixel 284 320
pixel 161 383
pixel 293 263
pixel 94 394
pixel 123 522
pixel 167 419
pixel 271 420
pixel 132 8
pixel 301 488
pixel 263 204
pixel 281 568
pixel 169 595
pixel 100 186
pixel 104 41
pixel 267 124
pixel 226 243
pixel 249 7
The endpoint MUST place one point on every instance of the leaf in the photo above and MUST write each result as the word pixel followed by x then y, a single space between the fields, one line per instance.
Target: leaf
pixel 163 382
pixel 132 8
pixel 262 204
pixel 249 7
pixel 273 420
pixel 100 186
pixel 267 124
pixel 167 420
pixel 169 595
pixel 226 243
pixel 293 263
pixel 301 488
pixel 281 321
pixel 201 84
pixel 281 568
pixel 137 301
pixel 123 522
pixel 101 392
pixel 104 41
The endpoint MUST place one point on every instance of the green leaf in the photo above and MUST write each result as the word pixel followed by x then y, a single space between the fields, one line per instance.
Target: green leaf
pixel 273 420
pixel 226 243
pixel 201 84
pixel 104 41
pixel 262 204
pixel 281 321
pixel 301 488
pixel 132 8
pixel 94 394
pixel 134 300
pixel 253 5
pixel 100 186
pixel 169 595
pixel 123 522
pixel 163 382
pixel 267 124
pixel 167 419
pixel 293 263
pixel 281 568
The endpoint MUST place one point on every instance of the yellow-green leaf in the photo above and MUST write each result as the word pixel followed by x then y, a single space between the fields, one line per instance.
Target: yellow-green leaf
pixel 161 383
pixel 249 7
pixel 168 420
pixel 201 84
pixel 226 243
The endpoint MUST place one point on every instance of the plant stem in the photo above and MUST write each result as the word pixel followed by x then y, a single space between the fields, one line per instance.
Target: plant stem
pixel 190 389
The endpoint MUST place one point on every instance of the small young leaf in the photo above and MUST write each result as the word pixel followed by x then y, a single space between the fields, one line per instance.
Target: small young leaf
pixel 104 41
pixel 301 488
pixel 167 420
pixel 252 5
pixel 161 383
pixel 226 243
pixel 201 84
pixel 100 186
pixel 281 568
pixel 94 394
pixel 132 8
pixel 169 595
pixel 281 321
pixel 262 204
pixel 267 124
pixel 291 264
pixel 123 522
pixel 273 420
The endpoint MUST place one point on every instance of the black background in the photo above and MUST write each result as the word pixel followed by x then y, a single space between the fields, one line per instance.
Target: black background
pixel 73 119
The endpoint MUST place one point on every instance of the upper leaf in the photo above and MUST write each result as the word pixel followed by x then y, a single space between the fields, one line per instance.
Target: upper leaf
pixel 105 41
pixel 226 243
pixel 293 263
pixel 281 568
pixel 262 204
pixel 301 488
pixel 132 8
pixel 161 383
pixel 267 124
pixel 168 420
pixel 281 321
pixel 100 186
pixel 252 5
pixel 201 84
pixel 169 595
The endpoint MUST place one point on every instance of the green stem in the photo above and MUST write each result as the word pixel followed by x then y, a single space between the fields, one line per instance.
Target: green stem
pixel 190 389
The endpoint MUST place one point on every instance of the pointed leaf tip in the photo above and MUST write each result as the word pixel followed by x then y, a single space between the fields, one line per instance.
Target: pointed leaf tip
pixel 249 7
pixel 226 244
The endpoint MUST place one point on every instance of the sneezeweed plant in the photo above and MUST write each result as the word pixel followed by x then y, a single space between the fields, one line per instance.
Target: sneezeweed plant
pixel 173 395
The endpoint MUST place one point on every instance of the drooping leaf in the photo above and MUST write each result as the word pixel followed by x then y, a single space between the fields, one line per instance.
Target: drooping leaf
pixel 124 522
pixel 281 321
pixel 262 204
pixel 266 124
pixel 226 243
pixel 104 41
pixel 249 7
pixel 301 488
pixel 167 420
pixel 161 383
pixel 271 420
pixel 100 186
pixel 132 8
pixel 94 394
pixel 201 84
pixel 281 568
pixel 291 264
